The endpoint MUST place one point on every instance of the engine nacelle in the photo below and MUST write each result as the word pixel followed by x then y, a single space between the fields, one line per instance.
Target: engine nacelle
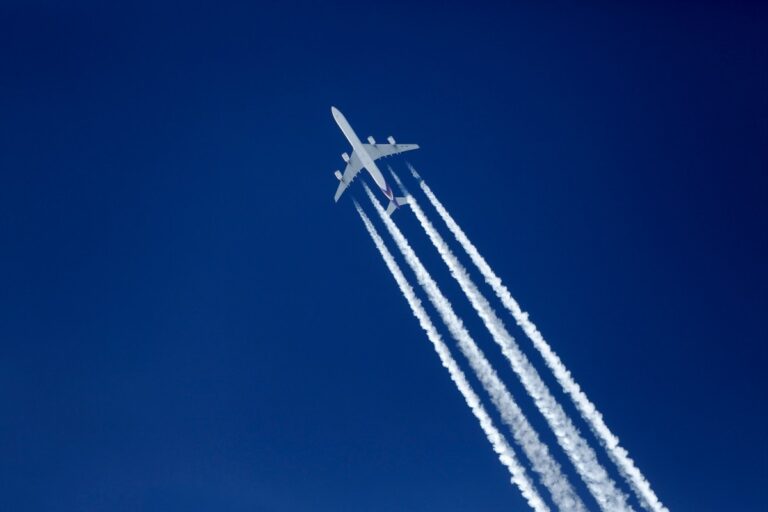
pixel 345 157
pixel 371 140
pixel 338 176
pixel 391 140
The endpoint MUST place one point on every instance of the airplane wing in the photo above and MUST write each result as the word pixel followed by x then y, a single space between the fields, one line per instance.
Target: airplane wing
pixel 381 150
pixel 353 167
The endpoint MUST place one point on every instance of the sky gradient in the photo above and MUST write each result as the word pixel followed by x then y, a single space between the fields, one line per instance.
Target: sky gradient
pixel 190 323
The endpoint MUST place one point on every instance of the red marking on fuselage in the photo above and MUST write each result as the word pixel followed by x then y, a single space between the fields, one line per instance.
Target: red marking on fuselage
pixel 389 194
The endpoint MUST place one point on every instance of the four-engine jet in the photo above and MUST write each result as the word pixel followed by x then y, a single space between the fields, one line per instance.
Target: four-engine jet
pixel 364 156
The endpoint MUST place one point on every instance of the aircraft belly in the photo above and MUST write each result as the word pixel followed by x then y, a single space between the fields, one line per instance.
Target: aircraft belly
pixel 377 177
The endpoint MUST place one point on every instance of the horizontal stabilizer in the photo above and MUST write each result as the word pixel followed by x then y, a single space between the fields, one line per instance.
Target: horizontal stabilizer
pixel 396 203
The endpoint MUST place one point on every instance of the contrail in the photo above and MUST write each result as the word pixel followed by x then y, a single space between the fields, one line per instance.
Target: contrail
pixel 583 457
pixel 500 446
pixel 639 484
pixel 562 493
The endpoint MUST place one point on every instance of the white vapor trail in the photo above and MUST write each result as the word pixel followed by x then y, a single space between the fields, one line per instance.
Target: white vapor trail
pixel 562 493
pixel 639 484
pixel 500 446
pixel 583 457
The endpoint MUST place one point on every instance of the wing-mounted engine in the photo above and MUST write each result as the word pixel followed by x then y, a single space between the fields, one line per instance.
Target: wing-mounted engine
pixel 371 140
pixel 391 140
pixel 339 176
pixel 345 157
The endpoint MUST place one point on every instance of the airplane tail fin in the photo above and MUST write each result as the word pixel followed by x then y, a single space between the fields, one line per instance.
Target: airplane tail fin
pixel 396 203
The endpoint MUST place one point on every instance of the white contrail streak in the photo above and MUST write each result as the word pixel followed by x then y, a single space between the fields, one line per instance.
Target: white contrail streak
pixel 500 446
pixel 562 493
pixel 583 457
pixel 639 484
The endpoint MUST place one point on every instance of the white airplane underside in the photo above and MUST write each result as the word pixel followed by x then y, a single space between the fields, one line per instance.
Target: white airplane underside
pixel 364 156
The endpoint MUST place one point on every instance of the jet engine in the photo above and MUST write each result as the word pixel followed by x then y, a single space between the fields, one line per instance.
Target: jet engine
pixel 345 157
pixel 391 140
pixel 338 175
pixel 370 140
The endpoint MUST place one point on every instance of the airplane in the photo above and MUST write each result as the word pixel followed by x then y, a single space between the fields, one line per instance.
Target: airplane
pixel 365 156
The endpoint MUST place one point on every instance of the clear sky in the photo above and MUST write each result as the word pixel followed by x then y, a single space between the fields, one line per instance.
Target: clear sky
pixel 190 323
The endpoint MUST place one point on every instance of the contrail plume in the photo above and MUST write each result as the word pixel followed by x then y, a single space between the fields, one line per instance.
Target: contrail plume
pixel 639 484
pixel 583 457
pixel 562 493
pixel 500 446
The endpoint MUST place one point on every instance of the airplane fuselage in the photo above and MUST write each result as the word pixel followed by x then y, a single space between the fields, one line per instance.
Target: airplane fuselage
pixel 362 154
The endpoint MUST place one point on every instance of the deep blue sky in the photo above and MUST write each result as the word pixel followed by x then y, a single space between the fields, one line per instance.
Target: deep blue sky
pixel 189 322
